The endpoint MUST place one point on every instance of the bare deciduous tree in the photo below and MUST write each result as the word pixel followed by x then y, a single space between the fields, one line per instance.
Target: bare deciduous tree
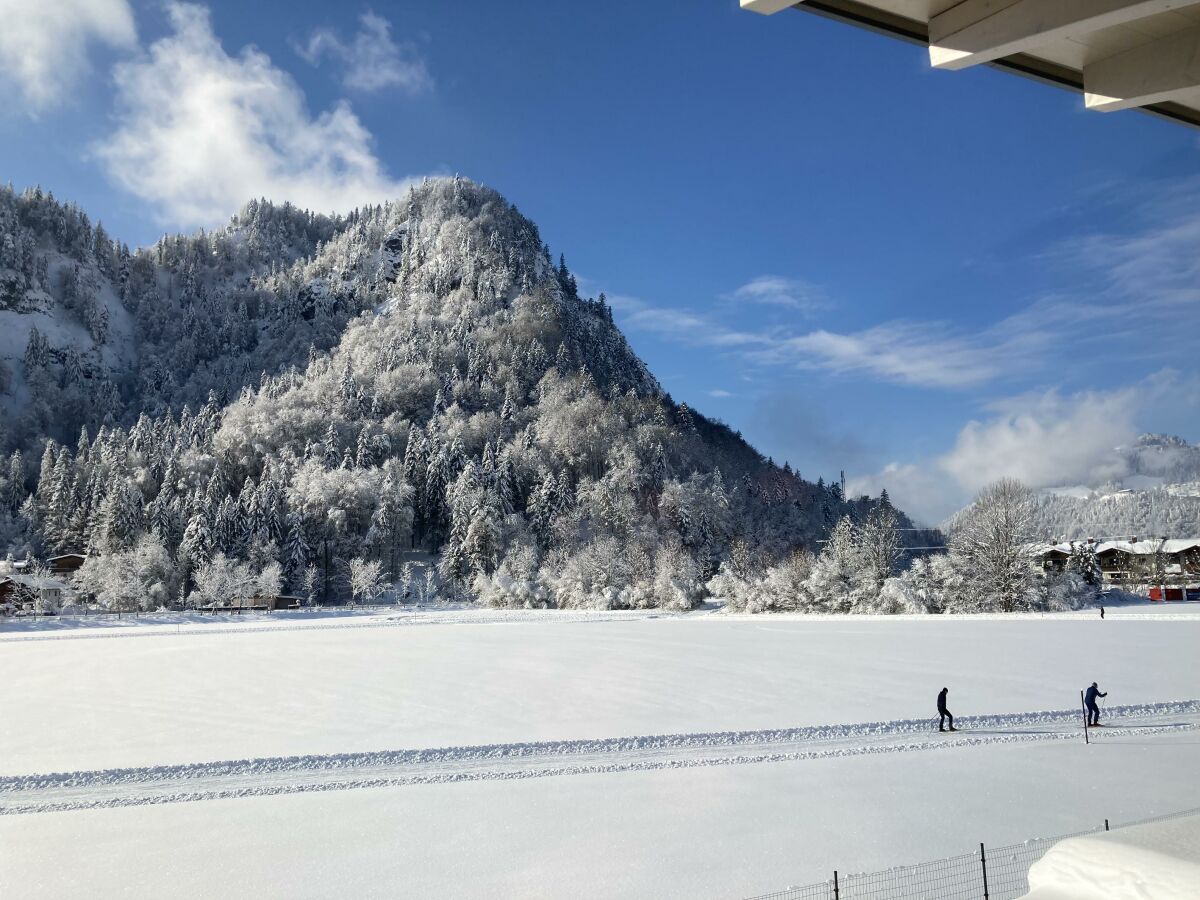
pixel 879 544
pixel 366 579
pixel 992 543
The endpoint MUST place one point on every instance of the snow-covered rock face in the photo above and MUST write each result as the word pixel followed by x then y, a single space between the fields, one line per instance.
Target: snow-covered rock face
pixel 391 254
pixel 60 316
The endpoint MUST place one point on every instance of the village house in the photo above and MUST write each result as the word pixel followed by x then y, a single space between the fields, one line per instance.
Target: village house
pixel 1169 567
pixel 32 592
pixel 256 603
pixel 65 564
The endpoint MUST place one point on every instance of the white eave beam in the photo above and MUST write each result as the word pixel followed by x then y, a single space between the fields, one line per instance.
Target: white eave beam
pixel 980 31
pixel 767 7
pixel 1155 72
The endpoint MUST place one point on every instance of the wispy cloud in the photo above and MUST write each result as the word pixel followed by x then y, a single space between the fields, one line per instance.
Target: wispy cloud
pixel 927 354
pixel 680 324
pixel 1124 296
pixel 44 45
pixel 372 60
pixel 200 132
pixel 1154 269
pixel 776 290
pixel 720 393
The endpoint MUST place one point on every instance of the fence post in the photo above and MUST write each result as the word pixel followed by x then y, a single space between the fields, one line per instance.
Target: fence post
pixel 836 894
pixel 1106 824
pixel 983 864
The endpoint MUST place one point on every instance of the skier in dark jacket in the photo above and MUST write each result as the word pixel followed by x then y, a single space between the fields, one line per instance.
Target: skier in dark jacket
pixel 944 713
pixel 1089 701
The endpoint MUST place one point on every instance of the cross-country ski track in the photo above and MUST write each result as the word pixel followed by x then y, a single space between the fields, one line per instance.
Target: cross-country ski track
pixel 24 794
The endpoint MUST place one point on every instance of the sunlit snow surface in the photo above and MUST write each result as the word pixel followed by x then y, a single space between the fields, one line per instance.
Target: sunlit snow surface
pixel 1158 861
pixel 475 753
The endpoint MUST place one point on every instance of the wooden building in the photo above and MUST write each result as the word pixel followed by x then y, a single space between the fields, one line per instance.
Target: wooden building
pixel 25 591
pixel 65 563
pixel 1171 566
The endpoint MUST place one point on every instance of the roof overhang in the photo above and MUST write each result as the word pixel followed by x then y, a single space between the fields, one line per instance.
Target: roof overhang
pixel 1120 54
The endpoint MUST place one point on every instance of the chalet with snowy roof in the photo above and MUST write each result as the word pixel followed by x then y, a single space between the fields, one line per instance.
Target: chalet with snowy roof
pixel 1171 563
pixel 65 563
pixel 1054 559
pixel 21 590
pixel 259 603
pixel 1149 557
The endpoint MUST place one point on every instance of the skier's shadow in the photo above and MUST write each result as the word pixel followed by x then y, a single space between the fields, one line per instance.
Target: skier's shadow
pixel 1159 726
pixel 1134 742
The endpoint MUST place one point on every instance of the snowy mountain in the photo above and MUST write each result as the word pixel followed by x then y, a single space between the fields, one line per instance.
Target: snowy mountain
pixel 1153 489
pixel 294 392
pixel 1160 459
pixel 92 334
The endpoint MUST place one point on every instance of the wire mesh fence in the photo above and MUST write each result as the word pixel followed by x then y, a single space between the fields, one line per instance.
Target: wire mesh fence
pixel 1000 873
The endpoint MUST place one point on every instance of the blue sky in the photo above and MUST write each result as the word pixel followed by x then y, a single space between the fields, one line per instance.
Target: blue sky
pixel 926 278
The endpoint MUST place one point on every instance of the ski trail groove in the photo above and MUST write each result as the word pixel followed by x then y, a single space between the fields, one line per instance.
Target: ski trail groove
pixel 401 618
pixel 23 794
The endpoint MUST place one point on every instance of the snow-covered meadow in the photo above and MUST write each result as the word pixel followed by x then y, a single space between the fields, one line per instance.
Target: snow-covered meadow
pixel 543 786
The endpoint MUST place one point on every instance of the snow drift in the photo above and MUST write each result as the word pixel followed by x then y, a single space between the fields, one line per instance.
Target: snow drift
pixel 1157 861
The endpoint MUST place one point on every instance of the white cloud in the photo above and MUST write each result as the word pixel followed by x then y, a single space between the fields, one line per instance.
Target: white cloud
pixel 924 492
pixel 720 393
pixel 44 45
pixel 371 61
pixel 679 324
pixel 775 290
pixel 925 354
pixel 1044 439
pixel 200 132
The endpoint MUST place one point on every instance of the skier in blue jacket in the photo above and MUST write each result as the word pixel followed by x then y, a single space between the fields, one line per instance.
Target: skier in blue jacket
pixel 1089 701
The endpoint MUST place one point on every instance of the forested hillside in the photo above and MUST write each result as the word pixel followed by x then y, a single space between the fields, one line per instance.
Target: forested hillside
pixel 1153 489
pixel 295 396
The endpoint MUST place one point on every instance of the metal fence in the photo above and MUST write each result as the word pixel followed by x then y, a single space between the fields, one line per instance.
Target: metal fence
pixel 990 873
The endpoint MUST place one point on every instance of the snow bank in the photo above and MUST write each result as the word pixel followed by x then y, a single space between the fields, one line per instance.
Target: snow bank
pixel 1158 861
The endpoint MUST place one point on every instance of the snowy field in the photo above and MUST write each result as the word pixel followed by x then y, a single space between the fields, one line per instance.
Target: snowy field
pixel 533 754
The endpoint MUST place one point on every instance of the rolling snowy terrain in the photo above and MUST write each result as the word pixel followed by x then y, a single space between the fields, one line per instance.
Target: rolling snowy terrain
pixel 537 754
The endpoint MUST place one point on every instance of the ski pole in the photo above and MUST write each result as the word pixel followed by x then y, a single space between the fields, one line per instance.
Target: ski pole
pixel 1083 704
